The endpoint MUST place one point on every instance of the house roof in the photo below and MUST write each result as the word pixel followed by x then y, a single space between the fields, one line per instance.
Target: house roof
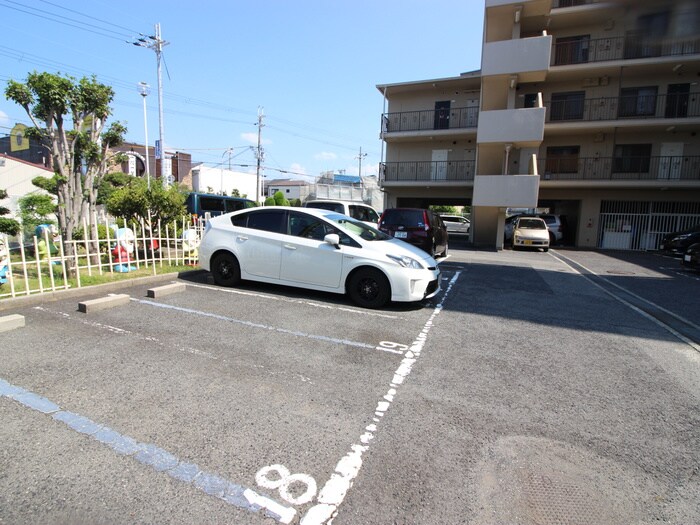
pixel 32 164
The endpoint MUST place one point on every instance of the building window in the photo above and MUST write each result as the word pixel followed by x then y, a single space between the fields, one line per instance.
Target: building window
pixel 572 50
pixel 530 100
pixel 562 159
pixel 632 158
pixel 638 102
pixel 646 40
pixel 567 106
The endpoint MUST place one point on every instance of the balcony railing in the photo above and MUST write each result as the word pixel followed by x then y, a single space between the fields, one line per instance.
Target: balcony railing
pixel 667 169
pixel 582 50
pixel 432 119
pixel 675 105
pixel 428 171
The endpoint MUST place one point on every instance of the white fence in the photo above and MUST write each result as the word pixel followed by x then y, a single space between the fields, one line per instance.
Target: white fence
pixel 46 263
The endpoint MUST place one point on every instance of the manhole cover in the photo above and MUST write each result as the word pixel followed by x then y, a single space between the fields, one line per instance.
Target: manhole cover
pixel 536 481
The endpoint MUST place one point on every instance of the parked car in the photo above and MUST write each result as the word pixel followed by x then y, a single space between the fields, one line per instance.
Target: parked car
pixel 678 242
pixel 531 232
pixel 510 226
pixel 456 224
pixel 319 250
pixel 691 258
pixel 420 227
pixel 356 210
pixel 556 225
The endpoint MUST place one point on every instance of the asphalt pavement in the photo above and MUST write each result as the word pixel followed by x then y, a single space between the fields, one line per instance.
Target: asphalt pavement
pixel 536 388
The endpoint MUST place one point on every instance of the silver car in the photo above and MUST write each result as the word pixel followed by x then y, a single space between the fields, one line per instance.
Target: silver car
pixel 456 224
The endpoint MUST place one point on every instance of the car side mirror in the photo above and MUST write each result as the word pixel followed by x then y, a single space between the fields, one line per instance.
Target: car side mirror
pixel 333 239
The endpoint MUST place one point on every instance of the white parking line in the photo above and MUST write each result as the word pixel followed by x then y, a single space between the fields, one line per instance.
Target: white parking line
pixel 261 326
pixel 124 331
pixel 336 488
pixel 296 301
pixel 153 456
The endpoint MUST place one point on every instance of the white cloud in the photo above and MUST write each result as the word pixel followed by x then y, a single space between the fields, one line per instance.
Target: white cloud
pixel 325 155
pixel 4 121
pixel 298 168
pixel 253 138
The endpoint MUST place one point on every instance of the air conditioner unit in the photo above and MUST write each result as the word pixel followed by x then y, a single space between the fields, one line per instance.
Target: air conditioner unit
pixel 591 82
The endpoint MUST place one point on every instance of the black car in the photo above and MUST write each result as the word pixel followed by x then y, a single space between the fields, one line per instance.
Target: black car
pixel 691 258
pixel 678 242
pixel 421 227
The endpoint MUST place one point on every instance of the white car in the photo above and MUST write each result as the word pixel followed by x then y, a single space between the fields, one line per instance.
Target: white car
pixel 456 224
pixel 319 250
pixel 356 210
pixel 531 232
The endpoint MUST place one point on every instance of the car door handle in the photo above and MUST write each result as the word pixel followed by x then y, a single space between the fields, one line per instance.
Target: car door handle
pixel 242 238
pixel 290 246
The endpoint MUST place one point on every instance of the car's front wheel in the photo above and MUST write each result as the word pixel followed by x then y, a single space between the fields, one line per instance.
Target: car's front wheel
pixel 225 269
pixel 369 288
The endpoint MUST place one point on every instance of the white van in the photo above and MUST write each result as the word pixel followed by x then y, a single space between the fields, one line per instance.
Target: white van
pixel 356 210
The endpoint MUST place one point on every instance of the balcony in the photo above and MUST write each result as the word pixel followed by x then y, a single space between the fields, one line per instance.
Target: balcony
pixel 582 49
pixel 671 106
pixel 450 171
pixel 430 119
pixel 528 58
pixel 663 169
pixel 522 127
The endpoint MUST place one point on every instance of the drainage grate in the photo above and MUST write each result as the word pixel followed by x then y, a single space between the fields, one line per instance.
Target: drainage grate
pixel 551 501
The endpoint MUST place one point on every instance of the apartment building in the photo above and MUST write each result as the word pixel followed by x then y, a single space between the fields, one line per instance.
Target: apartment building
pixel 582 108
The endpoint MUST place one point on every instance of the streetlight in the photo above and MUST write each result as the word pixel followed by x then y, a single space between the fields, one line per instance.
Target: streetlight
pixel 144 90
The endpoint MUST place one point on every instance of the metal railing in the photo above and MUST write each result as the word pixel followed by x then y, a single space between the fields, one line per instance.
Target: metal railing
pixel 674 105
pixel 47 263
pixel 631 46
pixel 430 119
pixel 432 171
pixel 667 169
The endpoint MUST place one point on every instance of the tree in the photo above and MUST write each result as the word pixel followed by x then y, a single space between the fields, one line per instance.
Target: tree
pixel 36 209
pixel 280 199
pixel 444 209
pixel 135 201
pixel 8 226
pixel 69 117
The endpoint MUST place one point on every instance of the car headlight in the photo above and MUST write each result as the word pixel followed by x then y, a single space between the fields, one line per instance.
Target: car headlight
pixel 405 261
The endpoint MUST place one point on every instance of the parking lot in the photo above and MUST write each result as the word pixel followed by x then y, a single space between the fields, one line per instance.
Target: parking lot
pixel 523 393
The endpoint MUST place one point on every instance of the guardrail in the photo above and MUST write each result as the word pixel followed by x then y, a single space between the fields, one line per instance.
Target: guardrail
pixel 667 169
pixel 433 171
pixel 47 263
pixel 430 119
pixel 673 105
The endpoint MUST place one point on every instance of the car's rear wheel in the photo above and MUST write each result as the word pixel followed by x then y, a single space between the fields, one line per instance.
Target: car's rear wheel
pixel 225 269
pixel 444 252
pixel 369 288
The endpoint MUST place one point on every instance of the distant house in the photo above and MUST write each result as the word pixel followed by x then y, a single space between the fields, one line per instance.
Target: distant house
pixel 213 180
pixel 290 188
pixel 16 179
pixel 177 167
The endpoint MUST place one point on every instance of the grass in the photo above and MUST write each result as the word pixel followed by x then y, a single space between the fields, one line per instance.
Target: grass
pixel 36 282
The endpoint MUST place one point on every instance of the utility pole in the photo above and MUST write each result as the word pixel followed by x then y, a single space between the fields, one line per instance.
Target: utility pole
pixel 360 157
pixel 260 152
pixel 362 185
pixel 156 43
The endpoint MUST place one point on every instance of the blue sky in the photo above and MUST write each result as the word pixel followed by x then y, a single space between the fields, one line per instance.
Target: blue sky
pixel 312 66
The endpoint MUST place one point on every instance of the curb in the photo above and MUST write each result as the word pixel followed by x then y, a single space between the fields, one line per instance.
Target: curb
pixel 31 300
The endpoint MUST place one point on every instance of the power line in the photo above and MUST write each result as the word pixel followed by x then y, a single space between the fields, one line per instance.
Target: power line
pixel 78 24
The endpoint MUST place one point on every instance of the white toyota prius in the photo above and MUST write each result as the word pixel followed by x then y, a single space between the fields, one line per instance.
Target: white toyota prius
pixel 316 249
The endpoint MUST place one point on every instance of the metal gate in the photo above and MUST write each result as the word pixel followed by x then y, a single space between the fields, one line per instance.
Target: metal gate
pixel 640 225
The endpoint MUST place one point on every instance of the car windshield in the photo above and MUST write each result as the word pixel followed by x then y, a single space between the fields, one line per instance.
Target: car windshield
pixel 358 228
pixel 531 224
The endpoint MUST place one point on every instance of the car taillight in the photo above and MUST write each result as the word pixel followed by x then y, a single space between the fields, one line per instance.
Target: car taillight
pixel 426 221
